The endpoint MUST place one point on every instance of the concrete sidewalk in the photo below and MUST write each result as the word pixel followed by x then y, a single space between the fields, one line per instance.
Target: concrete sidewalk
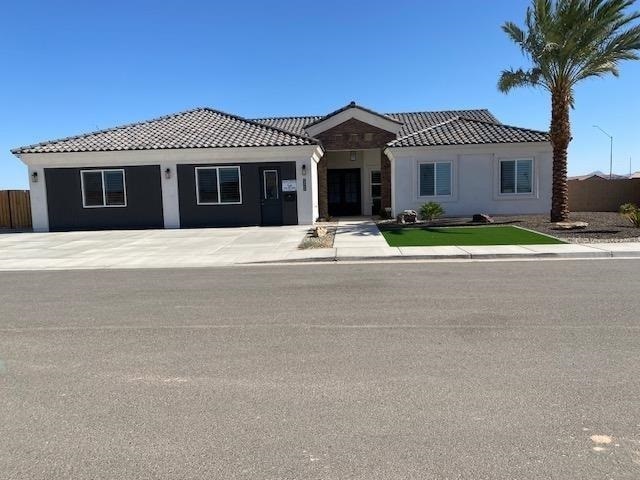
pixel 356 240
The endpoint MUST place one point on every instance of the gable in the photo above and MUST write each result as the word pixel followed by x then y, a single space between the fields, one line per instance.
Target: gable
pixel 353 111
pixel 354 134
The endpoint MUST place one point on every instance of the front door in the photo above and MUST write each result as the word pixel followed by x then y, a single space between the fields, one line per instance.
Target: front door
pixel 270 196
pixel 343 192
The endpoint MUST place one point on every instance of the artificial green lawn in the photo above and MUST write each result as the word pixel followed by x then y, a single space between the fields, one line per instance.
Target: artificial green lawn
pixel 461 236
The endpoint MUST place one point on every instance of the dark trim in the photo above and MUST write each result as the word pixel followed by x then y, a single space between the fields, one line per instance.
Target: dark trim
pixel 144 200
pixel 248 213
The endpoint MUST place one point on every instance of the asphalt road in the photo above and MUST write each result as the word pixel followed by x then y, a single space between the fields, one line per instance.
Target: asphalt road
pixel 370 371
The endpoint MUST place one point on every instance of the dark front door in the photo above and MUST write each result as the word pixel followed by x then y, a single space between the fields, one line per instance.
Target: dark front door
pixel 343 191
pixel 270 196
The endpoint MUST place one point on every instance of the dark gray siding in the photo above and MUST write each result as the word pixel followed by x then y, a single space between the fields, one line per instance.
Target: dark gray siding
pixel 248 213
pixel 144 201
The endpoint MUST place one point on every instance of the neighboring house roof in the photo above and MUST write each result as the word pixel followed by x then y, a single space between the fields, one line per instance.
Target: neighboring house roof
pixel 197 128
pixel 412 121
pixel 598 174
pixel 468 131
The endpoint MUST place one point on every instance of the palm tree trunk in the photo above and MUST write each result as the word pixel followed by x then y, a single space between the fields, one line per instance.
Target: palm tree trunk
pixel 560 138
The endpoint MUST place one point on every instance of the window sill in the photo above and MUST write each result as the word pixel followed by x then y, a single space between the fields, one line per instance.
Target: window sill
pixel 516 196
pixel 104 206
pixel 441 198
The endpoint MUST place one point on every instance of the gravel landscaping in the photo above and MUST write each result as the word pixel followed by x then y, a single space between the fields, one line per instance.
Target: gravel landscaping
pixel 603 226
pixel 325 241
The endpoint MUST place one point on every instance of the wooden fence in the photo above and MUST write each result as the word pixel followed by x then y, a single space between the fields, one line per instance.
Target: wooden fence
pixel 15 209
pixel 598 194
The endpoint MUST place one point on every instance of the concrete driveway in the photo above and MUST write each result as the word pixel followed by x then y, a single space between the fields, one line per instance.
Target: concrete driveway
pixel 149 248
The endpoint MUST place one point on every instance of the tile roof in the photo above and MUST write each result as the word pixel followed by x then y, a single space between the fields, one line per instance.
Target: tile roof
pixel 209 128
pixel 412 121
pixel 197 128
pixel 469 131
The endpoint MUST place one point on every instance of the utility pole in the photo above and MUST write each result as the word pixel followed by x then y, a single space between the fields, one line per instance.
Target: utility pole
pixel 610 151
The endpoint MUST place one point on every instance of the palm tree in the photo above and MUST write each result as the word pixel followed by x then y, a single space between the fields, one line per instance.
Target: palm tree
pixel 567 41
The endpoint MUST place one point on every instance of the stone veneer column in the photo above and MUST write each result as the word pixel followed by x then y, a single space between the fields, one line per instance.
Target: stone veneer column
pixel 323 201
pixel 385 179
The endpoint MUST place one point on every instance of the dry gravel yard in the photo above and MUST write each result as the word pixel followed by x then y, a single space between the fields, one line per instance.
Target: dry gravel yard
pixel 603 226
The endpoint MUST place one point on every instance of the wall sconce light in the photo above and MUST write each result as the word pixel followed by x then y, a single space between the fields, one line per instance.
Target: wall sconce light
pixel 167 173
pixel 353 156
pixel 304 169
pixel 34 177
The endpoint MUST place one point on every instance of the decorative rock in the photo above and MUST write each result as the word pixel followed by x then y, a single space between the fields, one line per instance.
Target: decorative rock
pixel 569 225
pixel 319 232
pixel 482 218
pixel 407 216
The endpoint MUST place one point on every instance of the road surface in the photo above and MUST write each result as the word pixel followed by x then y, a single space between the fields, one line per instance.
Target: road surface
pixel 522 370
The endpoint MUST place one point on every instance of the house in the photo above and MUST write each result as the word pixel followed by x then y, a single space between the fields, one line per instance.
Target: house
pixel 206 168
pixel 597 174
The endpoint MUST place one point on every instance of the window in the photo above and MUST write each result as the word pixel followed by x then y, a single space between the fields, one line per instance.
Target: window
pixel 376 184
pixel 376 191
pixel 103 188
pixel 218 185
pixel 516 176
pixel 434 179
pixel 270 184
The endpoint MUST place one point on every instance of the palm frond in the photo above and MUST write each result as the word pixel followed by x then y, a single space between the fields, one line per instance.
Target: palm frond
pixel 567 41
pixel 510 79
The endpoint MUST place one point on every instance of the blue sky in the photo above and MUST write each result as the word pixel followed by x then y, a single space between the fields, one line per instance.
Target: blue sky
pixel 71 67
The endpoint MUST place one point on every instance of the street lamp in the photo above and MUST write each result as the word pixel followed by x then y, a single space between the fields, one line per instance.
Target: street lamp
pixel 610 151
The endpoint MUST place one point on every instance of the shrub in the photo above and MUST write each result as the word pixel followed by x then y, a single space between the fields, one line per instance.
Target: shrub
pixel 385 213
pixel 632 213
pixel 431 210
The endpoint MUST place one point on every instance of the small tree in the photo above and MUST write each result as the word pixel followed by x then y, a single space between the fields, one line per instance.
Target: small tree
pixel 430 211
pixel 632 213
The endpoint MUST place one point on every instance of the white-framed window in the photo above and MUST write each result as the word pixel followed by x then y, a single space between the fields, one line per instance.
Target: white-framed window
pixel 103 188
pixel 434 179
pixel 376 185
pixel 516 176
pixel 218 186
pixel 270 188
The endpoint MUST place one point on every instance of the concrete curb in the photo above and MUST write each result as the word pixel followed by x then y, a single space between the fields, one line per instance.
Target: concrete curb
pixel 468 256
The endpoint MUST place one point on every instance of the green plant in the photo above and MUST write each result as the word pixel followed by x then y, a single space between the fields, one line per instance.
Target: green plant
pixel 567 41
pixel 385 213
pixel 431 210
pixel 632 213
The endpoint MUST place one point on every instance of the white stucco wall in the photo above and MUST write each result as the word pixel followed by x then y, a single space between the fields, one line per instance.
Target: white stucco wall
pixel 475 179
pixel 301 155
pixel 38 198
